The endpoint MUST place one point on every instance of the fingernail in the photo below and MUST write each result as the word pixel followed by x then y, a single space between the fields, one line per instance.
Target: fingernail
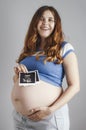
pixel 32 110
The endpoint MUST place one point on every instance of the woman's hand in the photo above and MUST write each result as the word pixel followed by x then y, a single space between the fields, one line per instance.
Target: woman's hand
pixel 17 69
pixel 20 68
pixel 40 113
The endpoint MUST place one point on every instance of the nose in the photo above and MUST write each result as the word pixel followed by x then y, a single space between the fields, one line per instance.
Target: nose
pixel 45 21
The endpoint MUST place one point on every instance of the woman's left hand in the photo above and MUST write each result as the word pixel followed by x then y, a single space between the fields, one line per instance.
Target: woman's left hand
pixel 39 113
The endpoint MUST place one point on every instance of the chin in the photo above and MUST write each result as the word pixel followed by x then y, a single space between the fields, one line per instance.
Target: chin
pixel 45 36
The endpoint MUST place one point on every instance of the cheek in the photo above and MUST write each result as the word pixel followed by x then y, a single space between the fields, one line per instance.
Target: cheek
pixel 53 26
pixel 38 26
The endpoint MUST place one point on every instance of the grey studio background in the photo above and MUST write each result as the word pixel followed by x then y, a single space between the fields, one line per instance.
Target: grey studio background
pixel 15 16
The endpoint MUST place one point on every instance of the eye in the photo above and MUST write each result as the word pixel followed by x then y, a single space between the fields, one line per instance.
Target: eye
pixel 41 18
pixel 51 20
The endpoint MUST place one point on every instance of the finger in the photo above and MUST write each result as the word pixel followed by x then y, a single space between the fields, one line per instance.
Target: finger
pixel 23 68
pixel 34 117
pixel 30 112
pixel 33 111
pixel 20 68
pixel 37 109
pixel 16 70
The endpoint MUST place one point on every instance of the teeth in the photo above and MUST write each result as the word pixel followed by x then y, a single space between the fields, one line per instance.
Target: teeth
pixel 45 28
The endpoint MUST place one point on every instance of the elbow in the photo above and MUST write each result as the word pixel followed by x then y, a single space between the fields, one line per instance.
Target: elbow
pixel 77 89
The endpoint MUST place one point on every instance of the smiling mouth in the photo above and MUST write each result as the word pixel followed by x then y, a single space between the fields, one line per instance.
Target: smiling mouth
pixel 45 28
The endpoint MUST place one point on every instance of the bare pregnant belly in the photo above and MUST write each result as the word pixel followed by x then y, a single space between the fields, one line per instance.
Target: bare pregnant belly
pixel 26 98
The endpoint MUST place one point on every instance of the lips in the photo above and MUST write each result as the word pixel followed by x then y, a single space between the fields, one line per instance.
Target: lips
pixel 45 28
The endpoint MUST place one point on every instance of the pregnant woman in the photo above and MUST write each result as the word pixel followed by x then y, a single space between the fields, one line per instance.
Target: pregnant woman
pixel 43 106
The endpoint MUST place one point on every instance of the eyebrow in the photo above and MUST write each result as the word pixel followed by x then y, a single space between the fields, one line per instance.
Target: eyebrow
pixel 48 17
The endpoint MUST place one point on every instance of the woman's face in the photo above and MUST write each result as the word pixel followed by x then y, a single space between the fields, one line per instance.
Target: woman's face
pixel 46 24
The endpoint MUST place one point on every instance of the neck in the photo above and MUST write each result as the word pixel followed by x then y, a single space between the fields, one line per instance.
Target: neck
pixel 42 43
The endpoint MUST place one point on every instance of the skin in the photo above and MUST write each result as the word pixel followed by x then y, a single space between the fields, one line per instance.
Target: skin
pixel 46 24
pixel 45 27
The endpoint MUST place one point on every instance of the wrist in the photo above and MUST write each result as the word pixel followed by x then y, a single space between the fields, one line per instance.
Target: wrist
pixel 15 78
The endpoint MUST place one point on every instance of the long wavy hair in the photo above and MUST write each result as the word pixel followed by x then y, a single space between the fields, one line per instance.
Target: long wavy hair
pixel 53 42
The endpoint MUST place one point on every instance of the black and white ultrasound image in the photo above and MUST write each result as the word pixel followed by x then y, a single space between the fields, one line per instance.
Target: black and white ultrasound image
pixel 28 77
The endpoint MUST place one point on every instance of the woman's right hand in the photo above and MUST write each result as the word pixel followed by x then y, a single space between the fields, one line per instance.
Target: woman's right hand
pixel 20 68
pixel 17 69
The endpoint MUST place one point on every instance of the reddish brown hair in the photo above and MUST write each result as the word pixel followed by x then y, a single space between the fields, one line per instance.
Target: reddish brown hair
pixel 32 39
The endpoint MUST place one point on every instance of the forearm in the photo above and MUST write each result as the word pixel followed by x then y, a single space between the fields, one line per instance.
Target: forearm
pixel 67 95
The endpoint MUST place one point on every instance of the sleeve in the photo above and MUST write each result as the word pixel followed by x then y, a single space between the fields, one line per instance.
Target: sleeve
pixel 66 49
